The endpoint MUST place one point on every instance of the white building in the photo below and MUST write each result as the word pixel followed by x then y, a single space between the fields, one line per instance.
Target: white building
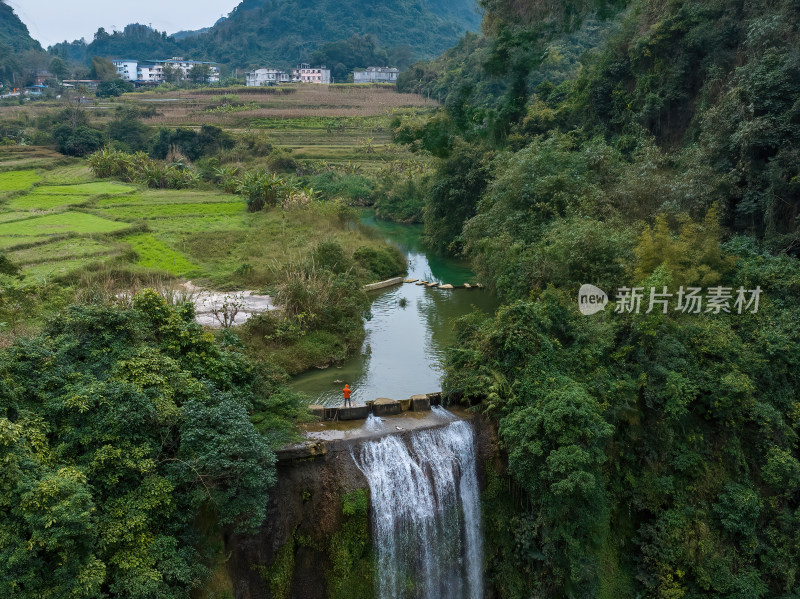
pixel 305 74
pixel 126 68
pixel 186 67
pixel 261 77
pixel 375 75
pixel 152 71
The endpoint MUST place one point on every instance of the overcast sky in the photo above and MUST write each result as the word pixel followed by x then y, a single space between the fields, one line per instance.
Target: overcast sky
pixel 53 21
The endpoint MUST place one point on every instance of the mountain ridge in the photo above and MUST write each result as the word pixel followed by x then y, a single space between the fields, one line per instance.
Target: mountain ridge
pixel 13 32
pixel 285 32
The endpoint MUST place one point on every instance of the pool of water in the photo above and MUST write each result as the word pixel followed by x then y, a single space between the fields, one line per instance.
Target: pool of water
pixel 410 329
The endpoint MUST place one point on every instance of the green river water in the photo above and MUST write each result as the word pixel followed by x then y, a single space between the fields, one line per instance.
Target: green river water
pixel 404 344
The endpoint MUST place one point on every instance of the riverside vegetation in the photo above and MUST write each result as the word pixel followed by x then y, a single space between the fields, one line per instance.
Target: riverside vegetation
pixel 616 142
pixel 120 458
pixel 627 143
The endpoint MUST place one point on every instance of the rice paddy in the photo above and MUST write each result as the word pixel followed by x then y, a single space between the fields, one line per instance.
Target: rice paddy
pixel 58 220
pixel 18 180
pixel 59 224
pixel 36 201
pixel 154 253
pixel 171 210
pixel 55 217
pixel 88 189
pixel 65 249
pixel 52 230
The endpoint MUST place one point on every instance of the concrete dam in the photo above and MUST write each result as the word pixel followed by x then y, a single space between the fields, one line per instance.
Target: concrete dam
pixel 419 474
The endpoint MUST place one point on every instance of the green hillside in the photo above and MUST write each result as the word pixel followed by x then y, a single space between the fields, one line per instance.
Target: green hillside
pixel 285 32
pixel 647 144
pixel 13 32
pixel 15 41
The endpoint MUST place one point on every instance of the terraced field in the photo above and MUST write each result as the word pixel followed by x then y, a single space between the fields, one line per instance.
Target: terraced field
pixel 55 217
pixel 51 230
pixel 18 180
pixel 59 220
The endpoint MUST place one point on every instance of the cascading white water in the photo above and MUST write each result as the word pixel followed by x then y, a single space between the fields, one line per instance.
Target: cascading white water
pixel 373 424
pixel 425 511
pixel 440 412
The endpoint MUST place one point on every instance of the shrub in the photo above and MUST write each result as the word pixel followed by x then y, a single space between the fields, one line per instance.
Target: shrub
pixel 383 262
pixel 114 88
pixel 140 168
pixel 401 201
pixel 194 144
pixel 329 255
pixel 259 189
pixel 356 189
pixel 79 141
pixel 129 132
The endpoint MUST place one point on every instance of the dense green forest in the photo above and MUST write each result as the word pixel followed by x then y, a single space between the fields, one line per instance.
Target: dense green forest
pixel 19 52
pixel 134 41
pixel 285 32
pixel 641 143
pixel 125 441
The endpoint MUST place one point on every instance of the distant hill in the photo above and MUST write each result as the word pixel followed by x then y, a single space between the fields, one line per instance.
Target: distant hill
pixel 338 33
pixel 283 32
pixel 19 52
pixel 134 41
pixel 179 35
pixel 13 32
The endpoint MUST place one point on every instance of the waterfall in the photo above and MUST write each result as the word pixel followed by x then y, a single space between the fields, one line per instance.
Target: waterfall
pixel 373 424
pixel 440 412
pixel 425 511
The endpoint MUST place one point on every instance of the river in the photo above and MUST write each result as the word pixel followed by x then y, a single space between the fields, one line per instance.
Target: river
pixel 410 329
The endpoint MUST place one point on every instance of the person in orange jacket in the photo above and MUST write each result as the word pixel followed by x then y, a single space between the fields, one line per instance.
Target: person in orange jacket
pixel 346 392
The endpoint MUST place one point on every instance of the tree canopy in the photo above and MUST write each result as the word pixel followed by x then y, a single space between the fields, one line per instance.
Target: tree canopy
pixel 119 428
pixel 627 144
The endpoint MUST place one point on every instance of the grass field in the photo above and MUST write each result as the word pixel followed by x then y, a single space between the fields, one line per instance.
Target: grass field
pixel 7 217
pixel 49 270
pixel 87 189
pixel 68 175
pixel 41 201
pixel 154 253
pixel 56 217
pixel 167 196
pixel 55 224
pixel 145 211
pixel 65 249
pixel 18 180
pixel 19 240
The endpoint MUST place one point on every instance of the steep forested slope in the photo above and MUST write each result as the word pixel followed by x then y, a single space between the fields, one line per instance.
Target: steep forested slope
pixel 13 32
pixel 285 32
pixel 646 144
pixel 289 30
pixel 15 41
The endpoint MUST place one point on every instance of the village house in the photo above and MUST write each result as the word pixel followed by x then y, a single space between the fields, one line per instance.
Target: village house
pixel 261 77
pixel 375 75
pixel 87 83
pixel 305 74
pixel 152 71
